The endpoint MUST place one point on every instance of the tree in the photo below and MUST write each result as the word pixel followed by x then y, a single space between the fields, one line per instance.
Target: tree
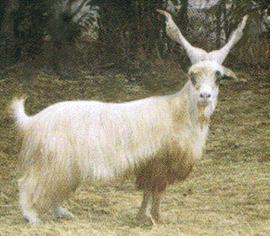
pixel 30 27
pixel 182 17
pixel 221 12
pixel 127 26
pixel 7 36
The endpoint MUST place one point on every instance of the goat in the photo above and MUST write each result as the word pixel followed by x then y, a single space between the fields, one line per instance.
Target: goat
pixel 157 138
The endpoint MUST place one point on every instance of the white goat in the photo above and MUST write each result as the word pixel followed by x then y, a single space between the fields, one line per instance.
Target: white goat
pixel 157 138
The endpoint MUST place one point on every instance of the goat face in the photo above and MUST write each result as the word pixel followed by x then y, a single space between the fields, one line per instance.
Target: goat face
pixel 205 77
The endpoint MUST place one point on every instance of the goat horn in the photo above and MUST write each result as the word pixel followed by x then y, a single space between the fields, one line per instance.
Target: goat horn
pixel 195 54
pixel 220 55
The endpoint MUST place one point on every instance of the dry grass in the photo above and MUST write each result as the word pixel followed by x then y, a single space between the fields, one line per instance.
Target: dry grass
pixel 228 192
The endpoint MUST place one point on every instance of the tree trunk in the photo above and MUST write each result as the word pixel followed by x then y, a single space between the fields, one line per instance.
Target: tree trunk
pixel 225 19
pixel 183 16
pixel 218 26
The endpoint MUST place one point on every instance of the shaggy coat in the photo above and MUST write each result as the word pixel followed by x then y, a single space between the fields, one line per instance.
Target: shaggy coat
pixel 157 138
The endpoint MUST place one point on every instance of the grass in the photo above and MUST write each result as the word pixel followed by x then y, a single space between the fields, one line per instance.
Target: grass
pixel 228 193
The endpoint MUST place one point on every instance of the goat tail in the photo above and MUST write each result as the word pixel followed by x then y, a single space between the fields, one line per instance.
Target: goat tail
pixel 18 112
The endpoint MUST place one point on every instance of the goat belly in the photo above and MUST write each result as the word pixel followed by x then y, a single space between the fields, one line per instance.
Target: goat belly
pixel 157 174
pixel 153 176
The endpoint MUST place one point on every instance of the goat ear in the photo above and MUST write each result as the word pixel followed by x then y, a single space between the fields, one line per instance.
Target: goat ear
pixel 195 54
pixel 228 73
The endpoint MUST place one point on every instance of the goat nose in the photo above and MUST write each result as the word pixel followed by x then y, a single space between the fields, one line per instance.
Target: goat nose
pixel 205 95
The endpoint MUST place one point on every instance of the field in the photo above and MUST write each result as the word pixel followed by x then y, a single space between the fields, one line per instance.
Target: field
pixel 228 192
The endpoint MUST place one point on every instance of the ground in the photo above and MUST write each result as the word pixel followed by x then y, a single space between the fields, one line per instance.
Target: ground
pixel 228 192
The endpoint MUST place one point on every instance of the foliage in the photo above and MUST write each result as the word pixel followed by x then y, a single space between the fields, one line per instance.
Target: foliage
pixel 242 7
pixel 127 27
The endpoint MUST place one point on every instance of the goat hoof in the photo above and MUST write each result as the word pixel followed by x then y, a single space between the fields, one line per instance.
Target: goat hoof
pixel 63 213
pixel 157 220
pixel 34 222
pixel 144 219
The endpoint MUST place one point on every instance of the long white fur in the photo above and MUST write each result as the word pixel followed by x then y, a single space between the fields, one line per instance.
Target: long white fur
pixel 88 140
pixel 73 141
